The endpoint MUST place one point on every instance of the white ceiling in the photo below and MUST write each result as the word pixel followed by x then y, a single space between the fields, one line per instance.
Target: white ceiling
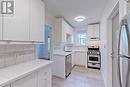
pixel 92 9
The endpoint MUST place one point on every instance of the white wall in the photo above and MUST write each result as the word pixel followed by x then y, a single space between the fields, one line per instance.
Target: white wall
pixel 105 50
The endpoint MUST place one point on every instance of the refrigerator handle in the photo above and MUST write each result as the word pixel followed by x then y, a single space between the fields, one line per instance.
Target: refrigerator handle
pixel 128 36
pixel 118 68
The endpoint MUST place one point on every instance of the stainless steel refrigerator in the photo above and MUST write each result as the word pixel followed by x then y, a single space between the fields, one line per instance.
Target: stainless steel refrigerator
pixel 124 53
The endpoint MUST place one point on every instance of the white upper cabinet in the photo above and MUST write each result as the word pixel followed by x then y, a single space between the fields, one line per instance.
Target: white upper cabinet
pixel 0 23
pixel 7 85
pixel 66 31
pixel 93 31
pixel 26 24
pixel 16 26
pixel 37 24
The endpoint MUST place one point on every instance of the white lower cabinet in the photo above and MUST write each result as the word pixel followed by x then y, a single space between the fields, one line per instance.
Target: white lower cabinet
pixel 80 58
pixel 44 77
pixel 59 66
pixel 28 81
pixel 40 78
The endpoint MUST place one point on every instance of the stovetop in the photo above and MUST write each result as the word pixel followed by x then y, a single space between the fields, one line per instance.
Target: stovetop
pixel 93 51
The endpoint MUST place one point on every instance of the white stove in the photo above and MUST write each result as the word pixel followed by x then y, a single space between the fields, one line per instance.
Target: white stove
pixel 94 58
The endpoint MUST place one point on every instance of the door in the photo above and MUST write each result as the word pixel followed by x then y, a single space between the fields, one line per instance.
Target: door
pixel 16 25
pixel 124 54
pixel 37 13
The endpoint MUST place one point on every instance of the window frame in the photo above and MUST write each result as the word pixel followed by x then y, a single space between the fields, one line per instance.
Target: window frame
pixel 82 38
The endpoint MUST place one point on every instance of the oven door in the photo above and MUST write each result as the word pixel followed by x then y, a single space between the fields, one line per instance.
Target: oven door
pixel 93 58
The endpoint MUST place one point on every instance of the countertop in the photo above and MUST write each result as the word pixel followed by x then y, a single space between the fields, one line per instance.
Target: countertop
pixel 61 53
pixel 80 51
pixel 15 72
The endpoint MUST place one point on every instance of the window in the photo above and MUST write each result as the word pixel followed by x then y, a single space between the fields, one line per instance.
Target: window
pixel 82 38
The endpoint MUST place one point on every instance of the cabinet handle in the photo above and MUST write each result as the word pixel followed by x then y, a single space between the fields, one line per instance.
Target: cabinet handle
pixel 93 64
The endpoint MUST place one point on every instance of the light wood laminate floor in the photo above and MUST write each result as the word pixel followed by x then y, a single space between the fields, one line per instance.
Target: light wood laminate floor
pixel 80 77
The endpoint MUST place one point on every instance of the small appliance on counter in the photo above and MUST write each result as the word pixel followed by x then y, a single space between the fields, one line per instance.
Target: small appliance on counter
pixel 94 58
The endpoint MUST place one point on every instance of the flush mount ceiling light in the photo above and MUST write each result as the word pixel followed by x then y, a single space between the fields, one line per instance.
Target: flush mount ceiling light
pixel 79 18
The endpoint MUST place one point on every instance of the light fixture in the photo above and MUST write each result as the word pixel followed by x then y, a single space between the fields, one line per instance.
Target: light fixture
pixel 79 18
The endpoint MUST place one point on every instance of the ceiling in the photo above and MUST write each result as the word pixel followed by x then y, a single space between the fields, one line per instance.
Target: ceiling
pixel 91 9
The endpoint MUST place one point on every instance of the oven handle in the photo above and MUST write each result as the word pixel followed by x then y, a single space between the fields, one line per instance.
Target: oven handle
pixel 93 55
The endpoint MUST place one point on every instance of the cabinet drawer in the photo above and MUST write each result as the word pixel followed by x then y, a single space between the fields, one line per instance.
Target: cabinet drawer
pixel 93 65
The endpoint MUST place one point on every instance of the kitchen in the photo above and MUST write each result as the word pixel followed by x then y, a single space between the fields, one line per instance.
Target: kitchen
pixel 52 43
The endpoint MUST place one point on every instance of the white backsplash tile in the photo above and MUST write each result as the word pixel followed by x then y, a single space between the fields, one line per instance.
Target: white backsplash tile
pixel 9 61
pixel 16 54
pixel 2 49
pixel 19 59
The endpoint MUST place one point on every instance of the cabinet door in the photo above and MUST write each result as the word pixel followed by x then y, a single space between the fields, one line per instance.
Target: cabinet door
pixel 0 22
pixel 44 77
pixel 96 30
pixel 16 26
pixel 37 13
pixel 90 31
pixel 80 58
pixel 29 81
pixel 93 31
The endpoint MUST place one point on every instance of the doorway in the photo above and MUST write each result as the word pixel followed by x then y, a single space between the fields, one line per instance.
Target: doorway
pixel 44 50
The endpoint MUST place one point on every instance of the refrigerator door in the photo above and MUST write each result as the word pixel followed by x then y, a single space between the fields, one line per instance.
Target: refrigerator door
pixel 124 54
